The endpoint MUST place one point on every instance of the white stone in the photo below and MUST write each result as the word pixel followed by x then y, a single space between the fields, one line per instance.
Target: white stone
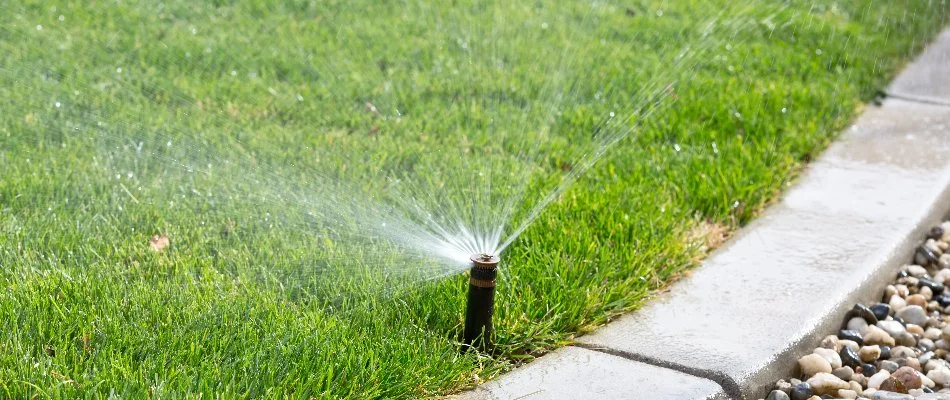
pixel 847 394
pixel 944 261
pixel 831 356
pixel 831 342
pixel 935 363
pixel 943 274
pixel 940 376
pixel 869 353
pixel 825 383
pixel 926 292
pixel 924 380
pixel 897 303
pixel 892 327
pixel 916 271
pixel 813 364
pixel 875 335
pixel 933 334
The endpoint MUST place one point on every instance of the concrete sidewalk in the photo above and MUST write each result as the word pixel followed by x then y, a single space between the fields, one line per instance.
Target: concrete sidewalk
pixel 740 321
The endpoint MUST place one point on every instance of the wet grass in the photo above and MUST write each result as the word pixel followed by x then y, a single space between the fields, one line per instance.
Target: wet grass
pixel 108 111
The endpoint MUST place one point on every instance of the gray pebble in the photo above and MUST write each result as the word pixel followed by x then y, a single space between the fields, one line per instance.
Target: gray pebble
pixel 889 366
pixel 777 395
pixel 913 315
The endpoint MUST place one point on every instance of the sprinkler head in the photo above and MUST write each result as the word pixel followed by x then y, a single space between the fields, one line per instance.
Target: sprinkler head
pixel 481 302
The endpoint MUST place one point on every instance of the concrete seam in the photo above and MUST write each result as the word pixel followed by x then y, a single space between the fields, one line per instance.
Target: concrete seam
pixel 917 99
pixel 728 385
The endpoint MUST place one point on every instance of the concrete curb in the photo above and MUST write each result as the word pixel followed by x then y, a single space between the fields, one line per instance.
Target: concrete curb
pixel 835 239
pixel 739 322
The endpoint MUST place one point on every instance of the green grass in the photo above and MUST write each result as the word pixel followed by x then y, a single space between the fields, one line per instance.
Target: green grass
pixel 258 297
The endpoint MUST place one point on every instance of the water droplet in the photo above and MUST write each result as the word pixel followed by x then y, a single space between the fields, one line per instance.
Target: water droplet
pixel 39 27
pixel 58 104
pixel 544 25
pixel 61 18
pixel 818 51
pixel 233 73
pixel 659 13
pixel 118 70
pixel 612 114
pixel 784 109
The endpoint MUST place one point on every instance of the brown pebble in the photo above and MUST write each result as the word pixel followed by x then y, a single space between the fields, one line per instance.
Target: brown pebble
pixel 908 377
pixel 916 300
pixel 915 329
pixel 892 384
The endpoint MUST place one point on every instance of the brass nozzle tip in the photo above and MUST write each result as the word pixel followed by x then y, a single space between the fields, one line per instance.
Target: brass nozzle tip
pixel 485 261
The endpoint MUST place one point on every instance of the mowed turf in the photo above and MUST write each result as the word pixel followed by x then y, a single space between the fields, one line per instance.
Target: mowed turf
pixel 236 128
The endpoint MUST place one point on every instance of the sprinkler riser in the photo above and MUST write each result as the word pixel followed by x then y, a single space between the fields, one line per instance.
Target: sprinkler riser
pixel 481 303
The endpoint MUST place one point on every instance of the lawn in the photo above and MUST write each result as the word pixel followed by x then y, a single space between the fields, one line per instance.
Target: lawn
pixel 298 155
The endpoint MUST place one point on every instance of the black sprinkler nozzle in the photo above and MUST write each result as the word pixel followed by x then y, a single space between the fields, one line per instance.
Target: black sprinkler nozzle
pixel 481 302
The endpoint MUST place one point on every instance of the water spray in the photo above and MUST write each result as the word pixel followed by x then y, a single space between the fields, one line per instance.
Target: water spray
pixel 481 302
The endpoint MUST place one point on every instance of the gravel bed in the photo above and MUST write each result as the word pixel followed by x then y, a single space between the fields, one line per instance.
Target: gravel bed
pixel 896 349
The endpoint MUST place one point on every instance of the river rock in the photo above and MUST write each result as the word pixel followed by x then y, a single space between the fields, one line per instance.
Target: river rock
pixel 916 271
pixel 813 364
pixel 916 300
pixel 897 303
pixel 847 394
pixel 854 336
pixel 933 334
pixel 857 324
pixel 830 356
pixel 869 353
pixel 881 311
pixel 892 327
pixel 877 336
pixel 889 366
pixel 908 377
pixel 854 346
pixel 913 314
pixel 777 395
pixel 875 381
pixel 861 311
pixel 849 357
pixel 884 395
pixel 936 287
pixel 909 362
pixel 827 384
pixel 831 342
pixel 902 352
pixel 892 384
pixel 940 376
pixel 801 391
pixel 844 373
